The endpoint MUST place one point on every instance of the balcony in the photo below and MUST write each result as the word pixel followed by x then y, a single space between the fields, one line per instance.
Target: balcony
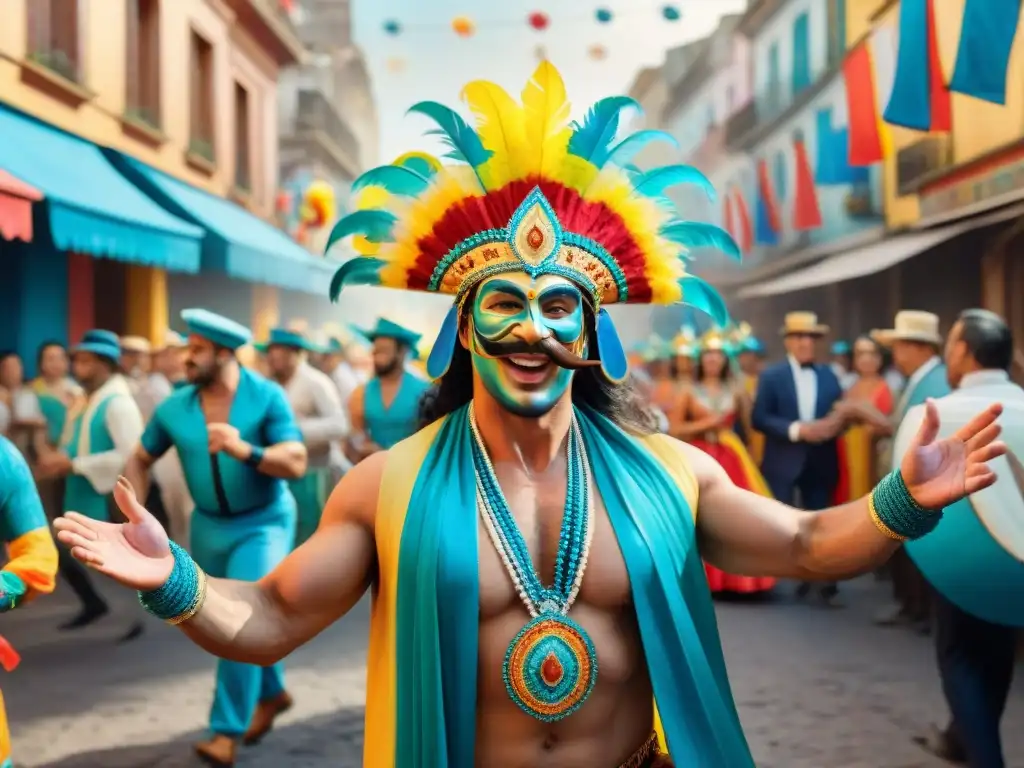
pixel 268 22
pixel 318 129
pixel 740 124
pixel 916 163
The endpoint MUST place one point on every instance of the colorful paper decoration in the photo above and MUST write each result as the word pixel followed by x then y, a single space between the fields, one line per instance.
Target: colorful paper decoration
pixel 603 15
pixel 392 27
pixel 597 52
pixel 538 21
pixel 463 26
pixel 671 13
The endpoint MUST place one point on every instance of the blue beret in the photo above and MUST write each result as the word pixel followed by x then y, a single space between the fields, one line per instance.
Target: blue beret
pixel 101 343
pixel 287 338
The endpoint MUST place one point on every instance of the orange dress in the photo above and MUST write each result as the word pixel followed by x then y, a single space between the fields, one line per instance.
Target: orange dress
pixel 725 447
pixel 857 451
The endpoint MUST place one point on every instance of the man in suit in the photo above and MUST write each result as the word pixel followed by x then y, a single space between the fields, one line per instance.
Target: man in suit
pixel 794 409
pixel 915 342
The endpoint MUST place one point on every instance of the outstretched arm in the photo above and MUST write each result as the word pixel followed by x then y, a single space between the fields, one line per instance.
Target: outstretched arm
pixel 254 622
pixel 742 532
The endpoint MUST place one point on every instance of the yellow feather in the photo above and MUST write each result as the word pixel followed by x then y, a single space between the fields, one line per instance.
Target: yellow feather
pixel 370 197
pixel 576 173
pixel 546 111
pixel 502 129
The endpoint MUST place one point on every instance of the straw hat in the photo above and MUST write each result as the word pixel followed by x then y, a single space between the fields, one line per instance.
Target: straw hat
pixel 802 322
pixel 911 325
pixel 173 340
pixel 136 344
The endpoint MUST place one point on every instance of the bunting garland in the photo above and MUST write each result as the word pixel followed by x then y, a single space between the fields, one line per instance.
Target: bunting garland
pixel 767 224
pixel 806 210
pixel 862 108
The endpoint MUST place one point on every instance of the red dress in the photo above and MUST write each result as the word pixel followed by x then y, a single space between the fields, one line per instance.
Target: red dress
pixel 728 450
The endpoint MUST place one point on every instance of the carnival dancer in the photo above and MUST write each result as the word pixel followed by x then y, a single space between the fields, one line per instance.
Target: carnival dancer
pixel 168 475
pixel 605 651
pixel 794 409
pixel 386 409
pixel 317 408
pixel 664 389
pixel 149 387
pixel 31 567
pixel 686 354
pixel 750 358
pixel 858 454
pixel 337 366
pixel 239 445
pixel 706 417
pixel 98 438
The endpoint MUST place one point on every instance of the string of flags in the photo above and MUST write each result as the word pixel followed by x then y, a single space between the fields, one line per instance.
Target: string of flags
pixel 466 26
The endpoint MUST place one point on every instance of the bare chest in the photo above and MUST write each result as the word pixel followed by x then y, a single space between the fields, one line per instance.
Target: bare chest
pixel 216 410
pixel 537 506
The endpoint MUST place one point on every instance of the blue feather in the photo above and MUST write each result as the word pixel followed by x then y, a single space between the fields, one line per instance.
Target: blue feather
pixel 362 270
pixel 591 139
pixel 396 179
pixel 421 166
pixel 699 295
pixel 373 224
pixel 697 234
pixel 623 152
pixel 654 182
pixel 455 132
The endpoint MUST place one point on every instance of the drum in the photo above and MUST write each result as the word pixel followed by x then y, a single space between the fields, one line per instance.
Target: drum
pixel 975 556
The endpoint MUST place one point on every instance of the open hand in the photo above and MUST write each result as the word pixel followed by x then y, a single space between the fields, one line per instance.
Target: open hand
pixel 938 473
pixel 135 553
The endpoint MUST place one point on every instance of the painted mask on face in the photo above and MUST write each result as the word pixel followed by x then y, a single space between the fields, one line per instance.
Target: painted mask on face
pixel 527 338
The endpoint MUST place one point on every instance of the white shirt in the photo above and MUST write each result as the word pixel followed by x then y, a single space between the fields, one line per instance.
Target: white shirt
pixel 806 381
pixel 124 424
pixel 346 380
pixel 319 414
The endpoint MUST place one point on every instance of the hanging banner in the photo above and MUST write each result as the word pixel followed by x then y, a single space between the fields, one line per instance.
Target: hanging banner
pixel 983 56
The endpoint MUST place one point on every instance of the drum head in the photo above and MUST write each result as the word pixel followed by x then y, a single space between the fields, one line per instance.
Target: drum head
pixel 1001 507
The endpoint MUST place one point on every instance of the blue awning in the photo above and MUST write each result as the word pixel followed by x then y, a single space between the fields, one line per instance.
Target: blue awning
pixel 91 207
pixel 237 242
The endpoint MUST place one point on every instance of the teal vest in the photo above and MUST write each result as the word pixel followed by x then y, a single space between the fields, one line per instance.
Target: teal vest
pixel 55 413
pixel 79 495
pixel 387 426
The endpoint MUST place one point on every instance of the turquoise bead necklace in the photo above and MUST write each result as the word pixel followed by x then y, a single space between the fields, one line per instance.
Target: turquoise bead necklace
pixel 551 665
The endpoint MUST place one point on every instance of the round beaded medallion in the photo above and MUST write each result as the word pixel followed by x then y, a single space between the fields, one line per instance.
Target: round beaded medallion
pixel 550 667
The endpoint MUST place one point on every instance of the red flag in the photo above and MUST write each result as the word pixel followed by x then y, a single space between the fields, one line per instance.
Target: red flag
pixel 746 229
pixel 861 107
pixel 941 103
pixel 806 212
pixel 728 224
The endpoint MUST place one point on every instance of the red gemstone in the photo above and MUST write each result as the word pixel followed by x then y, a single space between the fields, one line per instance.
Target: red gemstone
pixel 535 238
pixel 551 670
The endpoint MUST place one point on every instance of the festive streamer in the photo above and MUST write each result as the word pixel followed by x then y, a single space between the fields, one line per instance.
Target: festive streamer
pixel 746 229
pixel 832 167
pixel 983 56
pixel 861 99
pixel 806 211
pixel 767 224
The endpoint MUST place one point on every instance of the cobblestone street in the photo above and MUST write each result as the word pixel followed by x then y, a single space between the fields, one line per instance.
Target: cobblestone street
pixel 816 689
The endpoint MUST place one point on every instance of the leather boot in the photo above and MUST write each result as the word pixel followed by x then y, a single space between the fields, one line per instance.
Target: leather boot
pixel 218 752
pixel 264 716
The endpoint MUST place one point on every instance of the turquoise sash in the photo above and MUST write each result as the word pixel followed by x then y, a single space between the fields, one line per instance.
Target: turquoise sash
pixel 437 612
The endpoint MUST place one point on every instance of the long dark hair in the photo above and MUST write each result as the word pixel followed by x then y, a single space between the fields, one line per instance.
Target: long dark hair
pixel 620 403
pixel 727 373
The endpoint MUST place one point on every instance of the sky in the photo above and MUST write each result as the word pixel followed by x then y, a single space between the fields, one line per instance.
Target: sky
pixel 437 64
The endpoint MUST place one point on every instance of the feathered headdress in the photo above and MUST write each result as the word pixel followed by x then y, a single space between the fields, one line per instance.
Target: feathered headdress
pixel 530 192
pixel 686 341
pixel 745 341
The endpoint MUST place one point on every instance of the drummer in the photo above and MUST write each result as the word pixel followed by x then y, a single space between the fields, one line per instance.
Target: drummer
pixel 976 629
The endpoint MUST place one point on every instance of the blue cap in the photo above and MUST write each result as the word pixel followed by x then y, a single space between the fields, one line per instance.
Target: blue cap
pixel 752 344
pixel 101 343
pixel 220 330
pixel 285 337
pixel 385 329
pixel 841 348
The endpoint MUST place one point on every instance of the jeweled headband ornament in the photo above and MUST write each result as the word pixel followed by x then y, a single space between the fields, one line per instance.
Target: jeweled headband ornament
pixel 530 192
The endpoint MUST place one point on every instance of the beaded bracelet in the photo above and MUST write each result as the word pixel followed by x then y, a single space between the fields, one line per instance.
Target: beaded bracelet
pixel 182 595
pixel 896 514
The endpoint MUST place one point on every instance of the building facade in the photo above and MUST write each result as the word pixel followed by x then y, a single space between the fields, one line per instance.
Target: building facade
pixel 164 118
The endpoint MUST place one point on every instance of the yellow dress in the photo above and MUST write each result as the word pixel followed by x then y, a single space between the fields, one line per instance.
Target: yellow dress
pixel 755 439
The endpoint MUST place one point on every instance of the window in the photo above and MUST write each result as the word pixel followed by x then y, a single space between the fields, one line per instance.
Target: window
pixel 801 54
pixel 53 37
pixel 773 96
pixel 836 31
pixel 142 73
pixel 201 99
pixel 243 157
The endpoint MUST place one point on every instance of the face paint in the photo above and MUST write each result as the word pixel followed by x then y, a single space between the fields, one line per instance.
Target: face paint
pixel 512 314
